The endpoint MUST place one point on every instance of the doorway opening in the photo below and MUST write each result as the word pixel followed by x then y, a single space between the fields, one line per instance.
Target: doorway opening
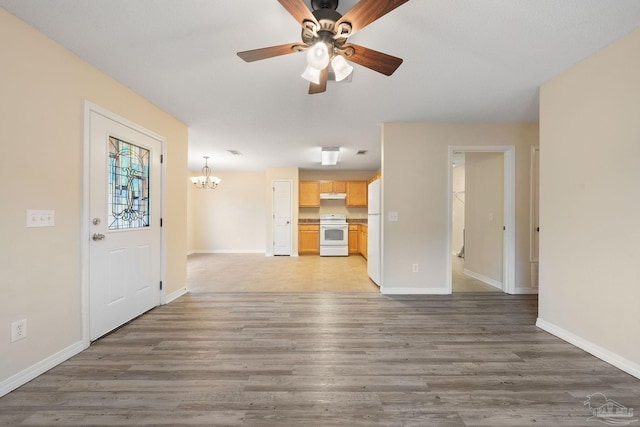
pixel 481 234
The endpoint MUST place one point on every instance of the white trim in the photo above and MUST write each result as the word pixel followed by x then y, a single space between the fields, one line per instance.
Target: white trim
pixel 535 155
pixel 608 356
pixel 488 280
pixel 88 108
pixel 39 368
pixel 176 294
pixel 414 291
pixel 509 255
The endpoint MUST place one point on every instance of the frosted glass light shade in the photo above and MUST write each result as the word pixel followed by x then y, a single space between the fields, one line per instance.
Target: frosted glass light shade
pixel 318 56
pixel 341 67
pixel 311 74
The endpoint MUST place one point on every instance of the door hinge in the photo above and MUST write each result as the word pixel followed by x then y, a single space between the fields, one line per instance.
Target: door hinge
pixel 160 284
pixel 160 222
pixel 161 158
pixel 504 228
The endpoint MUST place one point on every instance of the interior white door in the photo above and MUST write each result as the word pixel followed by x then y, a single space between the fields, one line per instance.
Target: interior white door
pixel 125 207
pixel 282 217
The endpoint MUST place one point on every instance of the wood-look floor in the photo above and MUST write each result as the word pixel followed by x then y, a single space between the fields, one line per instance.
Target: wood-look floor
pixel 324 359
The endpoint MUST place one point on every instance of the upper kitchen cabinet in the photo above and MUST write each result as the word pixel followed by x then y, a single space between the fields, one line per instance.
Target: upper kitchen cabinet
pixel 309 194
pixel 357 194
pixel 333 187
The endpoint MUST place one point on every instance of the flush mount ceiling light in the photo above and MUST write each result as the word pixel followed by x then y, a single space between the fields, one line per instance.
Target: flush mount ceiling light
pixel 330 156
pixel 324 38
pixel 206 180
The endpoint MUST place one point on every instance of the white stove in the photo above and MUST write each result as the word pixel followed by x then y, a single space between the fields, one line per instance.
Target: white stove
pixel 334 235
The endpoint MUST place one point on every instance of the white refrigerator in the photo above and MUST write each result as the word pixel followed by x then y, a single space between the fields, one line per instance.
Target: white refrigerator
pixel 374 226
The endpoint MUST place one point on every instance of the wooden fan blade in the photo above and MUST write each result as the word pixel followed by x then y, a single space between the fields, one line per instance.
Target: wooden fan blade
pixel 322 87
pixel 299 10
pixel 374 60
pixel 269 52
pixel 367 11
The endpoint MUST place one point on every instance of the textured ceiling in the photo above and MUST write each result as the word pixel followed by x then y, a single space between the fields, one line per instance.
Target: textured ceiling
pixel 464 61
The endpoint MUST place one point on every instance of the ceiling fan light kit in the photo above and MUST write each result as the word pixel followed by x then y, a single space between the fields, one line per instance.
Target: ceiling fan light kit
pixel 324 37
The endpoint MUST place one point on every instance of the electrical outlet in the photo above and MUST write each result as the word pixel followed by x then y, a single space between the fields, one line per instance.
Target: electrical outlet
pixel 415 268
pixel 18 330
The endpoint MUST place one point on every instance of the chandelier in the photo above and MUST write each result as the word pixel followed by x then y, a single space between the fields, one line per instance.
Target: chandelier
pixel 206 180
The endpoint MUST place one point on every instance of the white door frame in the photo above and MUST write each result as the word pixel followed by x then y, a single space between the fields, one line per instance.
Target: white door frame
pixel 509 238
pixel 85 216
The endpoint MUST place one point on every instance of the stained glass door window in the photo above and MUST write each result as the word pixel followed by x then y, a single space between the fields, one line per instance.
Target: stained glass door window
pixel 128 185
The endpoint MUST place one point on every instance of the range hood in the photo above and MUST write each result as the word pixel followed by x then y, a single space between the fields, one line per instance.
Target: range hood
pixel 333 196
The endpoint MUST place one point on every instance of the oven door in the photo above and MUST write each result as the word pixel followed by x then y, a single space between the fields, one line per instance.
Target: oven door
pixel 334 235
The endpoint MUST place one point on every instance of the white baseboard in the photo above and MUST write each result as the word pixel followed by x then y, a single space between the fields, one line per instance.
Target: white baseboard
pixel 414 291
pixel 228 251
pixel 39 368
pixel 525 291
pixel 485 279
pixel 608 356
pixel 175 295
pixel 270 254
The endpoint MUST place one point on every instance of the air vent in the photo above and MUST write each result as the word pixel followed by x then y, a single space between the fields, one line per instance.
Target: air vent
pixel 361 152
pixel 235 152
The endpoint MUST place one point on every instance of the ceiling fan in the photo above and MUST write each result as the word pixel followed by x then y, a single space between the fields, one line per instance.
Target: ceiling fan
pixel 324 37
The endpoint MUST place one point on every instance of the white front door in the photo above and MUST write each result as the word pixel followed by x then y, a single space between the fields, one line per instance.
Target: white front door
pixel 124 210
pixel 282 217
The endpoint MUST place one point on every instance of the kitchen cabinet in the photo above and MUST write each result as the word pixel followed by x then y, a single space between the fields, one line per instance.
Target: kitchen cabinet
pixel 309 194
pixel 357 194
pixel 308 239
pixel 333 187
pixel 362 239
pixel 353 238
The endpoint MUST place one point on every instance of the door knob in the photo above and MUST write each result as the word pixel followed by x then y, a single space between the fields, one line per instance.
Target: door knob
pixel 97 236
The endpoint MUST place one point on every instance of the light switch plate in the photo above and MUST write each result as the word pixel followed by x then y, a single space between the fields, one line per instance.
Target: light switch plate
pixel 41 218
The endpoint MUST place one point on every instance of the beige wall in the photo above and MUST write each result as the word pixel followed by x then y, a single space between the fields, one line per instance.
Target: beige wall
pixel 42 89
pixel 590 204
pixel 415 170
pixel 231 218
pixel 484 212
